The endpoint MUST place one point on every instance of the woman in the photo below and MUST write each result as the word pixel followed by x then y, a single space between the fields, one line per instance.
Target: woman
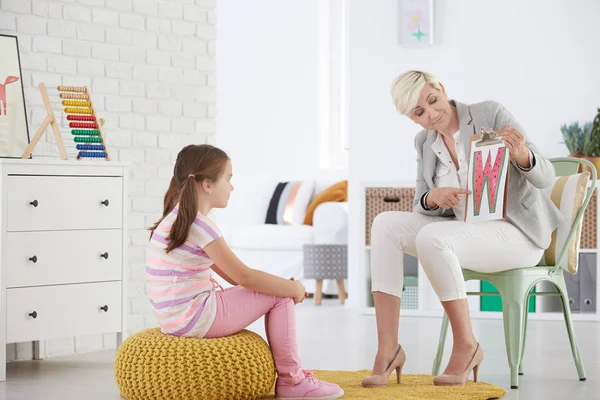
pixel 435 230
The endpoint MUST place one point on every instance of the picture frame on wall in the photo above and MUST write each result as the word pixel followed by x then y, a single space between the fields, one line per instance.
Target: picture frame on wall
pixel 14 131
pixel 416 23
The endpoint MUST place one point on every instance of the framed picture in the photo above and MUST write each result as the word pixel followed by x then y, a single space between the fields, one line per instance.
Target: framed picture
pixel 416 22
pixel 14 132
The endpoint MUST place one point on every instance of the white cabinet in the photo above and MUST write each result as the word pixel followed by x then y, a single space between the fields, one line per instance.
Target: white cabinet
pixel 63 253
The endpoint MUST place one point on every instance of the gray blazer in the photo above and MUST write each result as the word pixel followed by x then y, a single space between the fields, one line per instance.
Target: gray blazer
pixel 528 208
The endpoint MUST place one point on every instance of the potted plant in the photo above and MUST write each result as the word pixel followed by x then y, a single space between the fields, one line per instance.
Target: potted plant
pixel 591 144
pixel 578 140
pixel 574 136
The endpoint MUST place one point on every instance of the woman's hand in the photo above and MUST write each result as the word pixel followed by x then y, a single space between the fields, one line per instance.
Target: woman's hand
pixel 445 197
pixel 300 292
pixel 515 141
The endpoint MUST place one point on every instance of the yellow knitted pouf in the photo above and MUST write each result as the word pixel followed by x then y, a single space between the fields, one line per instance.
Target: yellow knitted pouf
pixel 153 366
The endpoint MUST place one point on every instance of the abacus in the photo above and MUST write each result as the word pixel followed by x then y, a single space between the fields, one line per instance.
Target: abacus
pixel 85 125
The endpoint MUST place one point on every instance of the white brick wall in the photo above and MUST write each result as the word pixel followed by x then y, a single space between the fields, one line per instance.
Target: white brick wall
pixel 151 68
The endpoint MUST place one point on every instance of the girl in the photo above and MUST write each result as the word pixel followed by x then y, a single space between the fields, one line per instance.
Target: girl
pixel 186 247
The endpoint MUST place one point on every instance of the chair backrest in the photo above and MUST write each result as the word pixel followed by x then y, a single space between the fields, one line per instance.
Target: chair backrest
pixel 569 195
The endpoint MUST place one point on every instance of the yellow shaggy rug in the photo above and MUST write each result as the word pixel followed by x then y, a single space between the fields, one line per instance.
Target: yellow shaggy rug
pixel 413 387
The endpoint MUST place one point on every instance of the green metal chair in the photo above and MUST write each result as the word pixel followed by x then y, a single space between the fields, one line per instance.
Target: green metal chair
pixel 515 286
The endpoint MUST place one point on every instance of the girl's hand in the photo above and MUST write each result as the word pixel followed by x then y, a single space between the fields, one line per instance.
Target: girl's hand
pixel 300 292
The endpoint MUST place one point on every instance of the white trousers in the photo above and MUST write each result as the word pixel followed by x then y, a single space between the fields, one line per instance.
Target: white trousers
pixel 444 246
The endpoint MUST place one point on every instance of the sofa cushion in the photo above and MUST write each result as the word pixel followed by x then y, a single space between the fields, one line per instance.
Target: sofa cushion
pixel 289 202
pixel 270 237
pixel 567 193
pixel 336 192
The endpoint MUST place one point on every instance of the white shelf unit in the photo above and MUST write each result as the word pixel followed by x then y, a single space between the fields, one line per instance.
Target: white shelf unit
pixel 428 303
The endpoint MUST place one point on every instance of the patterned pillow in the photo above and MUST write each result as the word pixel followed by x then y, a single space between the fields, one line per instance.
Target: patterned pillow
pixel 567 194
pixel 289 203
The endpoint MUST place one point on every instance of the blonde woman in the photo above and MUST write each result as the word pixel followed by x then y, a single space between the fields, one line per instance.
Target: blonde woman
pixel 435 230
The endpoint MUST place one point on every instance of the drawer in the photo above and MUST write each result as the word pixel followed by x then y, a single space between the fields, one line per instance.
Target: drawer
pixel 64 202
pixel 588 228
pixel 60 257
pixel 378 200
pixel 49 312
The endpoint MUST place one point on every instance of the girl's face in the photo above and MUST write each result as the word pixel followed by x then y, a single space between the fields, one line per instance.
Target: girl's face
pixel 222 188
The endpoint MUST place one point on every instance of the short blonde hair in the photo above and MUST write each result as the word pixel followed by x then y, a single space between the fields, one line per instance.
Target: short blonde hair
pixel 407 88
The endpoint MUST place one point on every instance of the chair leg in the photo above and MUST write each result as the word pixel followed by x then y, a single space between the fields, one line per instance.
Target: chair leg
pixel 564 297
pixel 440 351
pixel 513 309
pixel 318 292
pixel 341 291
pixel 525 319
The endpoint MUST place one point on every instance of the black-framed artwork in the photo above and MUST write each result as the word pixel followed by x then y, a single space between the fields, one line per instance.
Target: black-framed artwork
pixel 14 132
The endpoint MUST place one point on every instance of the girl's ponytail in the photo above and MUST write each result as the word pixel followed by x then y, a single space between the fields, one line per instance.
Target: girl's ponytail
pixel 186 214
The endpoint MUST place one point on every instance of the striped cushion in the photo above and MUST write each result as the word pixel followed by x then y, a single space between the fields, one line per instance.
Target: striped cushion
pixel 289 203
pixel 567 194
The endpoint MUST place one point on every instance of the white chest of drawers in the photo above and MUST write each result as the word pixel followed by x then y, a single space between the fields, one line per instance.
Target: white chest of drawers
pixel 63 250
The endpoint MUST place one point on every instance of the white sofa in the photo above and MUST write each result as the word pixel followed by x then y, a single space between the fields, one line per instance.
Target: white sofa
pixel 277 249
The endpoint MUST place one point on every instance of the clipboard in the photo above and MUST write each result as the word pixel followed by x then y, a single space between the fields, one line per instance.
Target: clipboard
pixel 487 175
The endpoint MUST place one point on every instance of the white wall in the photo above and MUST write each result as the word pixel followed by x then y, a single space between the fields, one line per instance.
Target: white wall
pixel 267 63
pixel 268 97
pixel 151 69
pixel 539 58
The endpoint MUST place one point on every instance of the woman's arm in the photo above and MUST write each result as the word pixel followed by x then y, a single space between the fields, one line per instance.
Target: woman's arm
pixel 223 275
pixel 422 188
pixel 259 281
pixel 541 173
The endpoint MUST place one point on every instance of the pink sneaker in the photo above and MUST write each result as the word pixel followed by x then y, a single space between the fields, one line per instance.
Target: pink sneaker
pixel 309 388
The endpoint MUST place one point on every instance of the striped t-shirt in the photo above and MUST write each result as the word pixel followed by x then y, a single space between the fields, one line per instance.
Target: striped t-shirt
pixel 180 284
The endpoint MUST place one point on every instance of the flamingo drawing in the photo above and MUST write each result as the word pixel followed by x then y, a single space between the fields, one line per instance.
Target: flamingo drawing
pixel 9 79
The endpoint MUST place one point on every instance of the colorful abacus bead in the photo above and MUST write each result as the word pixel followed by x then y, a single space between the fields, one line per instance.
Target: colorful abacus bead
pixel 91 154
pixel 63 88
pixel 86 139
pixel 81 118
pixel 76 103
pixel 90 147
pixel 78 110
pixel 85 132
pixel 75 96
pixel 86 125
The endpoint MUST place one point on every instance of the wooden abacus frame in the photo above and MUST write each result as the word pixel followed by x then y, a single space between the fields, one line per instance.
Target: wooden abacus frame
pixel 52 121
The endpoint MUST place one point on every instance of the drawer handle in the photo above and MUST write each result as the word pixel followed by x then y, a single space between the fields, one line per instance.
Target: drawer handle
pixel 105 308
pixel 33 314
pixel 33 259
pixel 587 302
pixel 105 202
pixel 104 255
pixel 34 203
pixel 391 199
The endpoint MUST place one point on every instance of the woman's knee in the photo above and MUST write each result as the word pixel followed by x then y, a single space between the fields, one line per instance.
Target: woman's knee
pixel 380 223
pixel 430 238
pixel 385 222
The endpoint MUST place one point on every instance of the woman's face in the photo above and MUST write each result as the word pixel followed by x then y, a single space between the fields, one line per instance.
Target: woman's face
pixel 432 111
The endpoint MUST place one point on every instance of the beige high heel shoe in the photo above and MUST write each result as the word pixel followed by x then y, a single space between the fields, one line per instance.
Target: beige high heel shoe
pixel 381 380
pixel 458 380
